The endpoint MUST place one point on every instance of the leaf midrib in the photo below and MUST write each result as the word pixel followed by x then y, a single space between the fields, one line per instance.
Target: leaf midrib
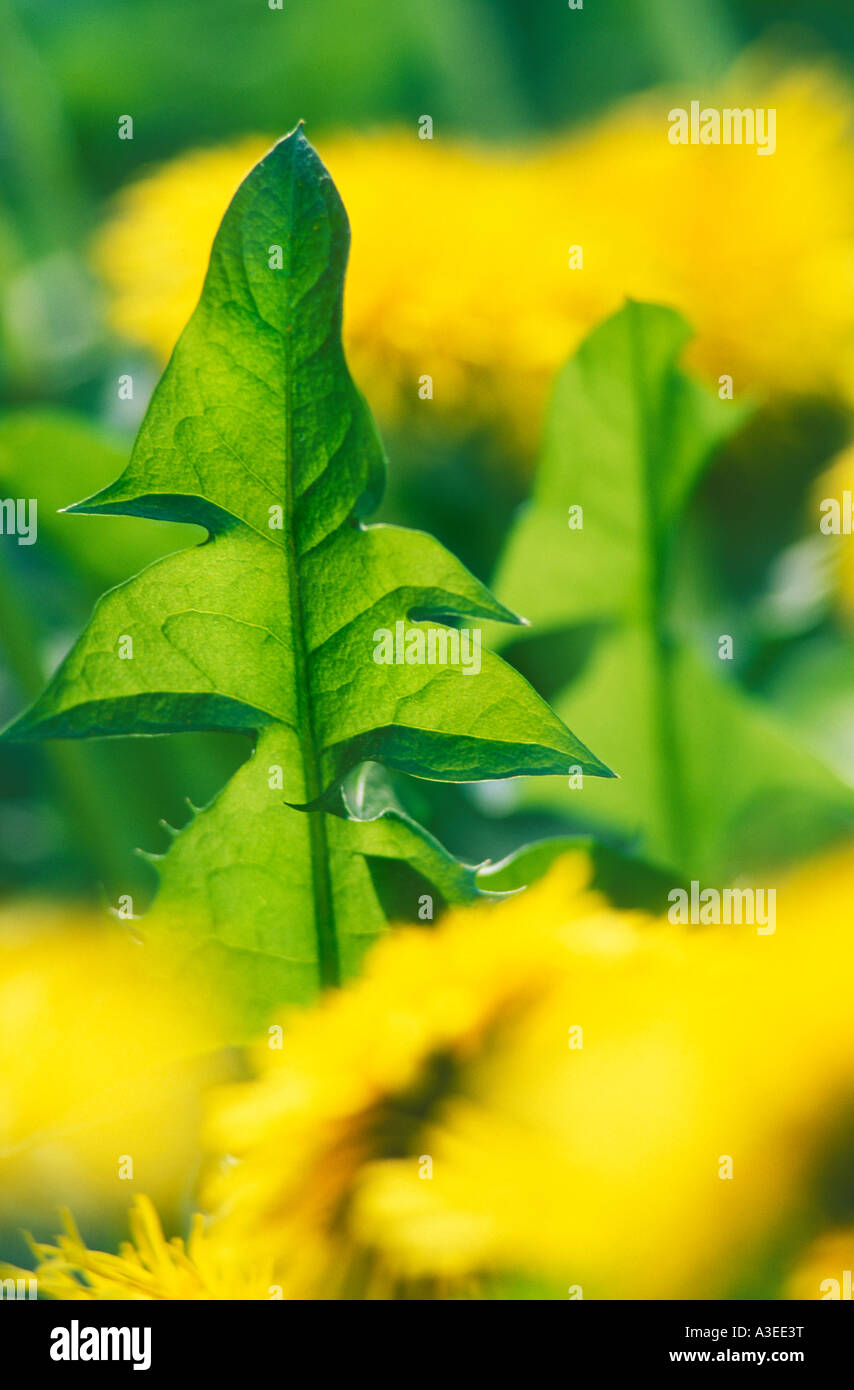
pixel 324 919
pixel 664 715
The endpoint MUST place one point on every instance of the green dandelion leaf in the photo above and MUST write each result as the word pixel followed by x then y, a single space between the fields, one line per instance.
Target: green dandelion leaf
pixel 257 433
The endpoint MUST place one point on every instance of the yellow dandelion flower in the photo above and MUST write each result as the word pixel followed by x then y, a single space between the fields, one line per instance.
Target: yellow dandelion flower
pixel 438 1120
pixel 826 1270
pixel 147 1267
pixel 460 263
pixel 106 1068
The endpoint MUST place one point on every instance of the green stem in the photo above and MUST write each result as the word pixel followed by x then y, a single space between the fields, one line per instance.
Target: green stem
pixel 671 789
pixel 327 941
pixel 329 965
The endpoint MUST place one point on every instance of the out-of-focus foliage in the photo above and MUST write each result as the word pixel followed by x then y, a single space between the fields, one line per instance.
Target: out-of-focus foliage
pixel 41 451
pixel 709 784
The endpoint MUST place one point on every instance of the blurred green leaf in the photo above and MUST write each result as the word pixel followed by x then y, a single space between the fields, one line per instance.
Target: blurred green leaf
pixel 710 780
pixel 46 451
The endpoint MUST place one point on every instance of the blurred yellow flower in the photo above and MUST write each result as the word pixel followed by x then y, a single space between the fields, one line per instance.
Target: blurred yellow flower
pixel 147 1267
pixel 826 1270
pixel 101 1093
pixel 437 1121
pixel 545 1086
pixel 461 266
